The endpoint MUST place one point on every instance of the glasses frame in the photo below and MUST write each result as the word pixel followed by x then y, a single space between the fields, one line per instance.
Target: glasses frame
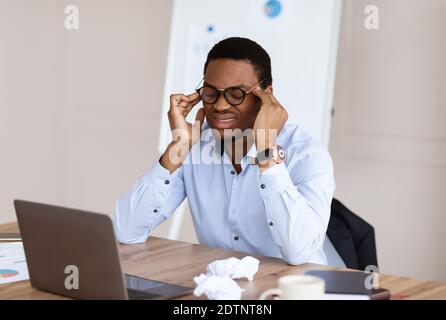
pixel 223 92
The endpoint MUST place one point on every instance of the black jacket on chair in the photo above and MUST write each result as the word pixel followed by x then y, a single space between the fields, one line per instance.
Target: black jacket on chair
pixel 352 237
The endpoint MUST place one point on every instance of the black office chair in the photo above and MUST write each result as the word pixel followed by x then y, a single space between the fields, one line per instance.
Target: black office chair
pixel 352 237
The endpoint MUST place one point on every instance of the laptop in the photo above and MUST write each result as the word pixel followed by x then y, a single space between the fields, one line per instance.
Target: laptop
pixel 74 253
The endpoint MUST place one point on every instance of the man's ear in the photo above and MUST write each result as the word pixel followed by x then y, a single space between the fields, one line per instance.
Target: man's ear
pixel 269 88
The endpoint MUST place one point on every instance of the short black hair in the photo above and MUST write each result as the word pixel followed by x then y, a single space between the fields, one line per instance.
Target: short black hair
pixel 237 48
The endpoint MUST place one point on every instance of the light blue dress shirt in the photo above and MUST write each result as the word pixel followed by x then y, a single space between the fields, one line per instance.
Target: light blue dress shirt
pixel 283 212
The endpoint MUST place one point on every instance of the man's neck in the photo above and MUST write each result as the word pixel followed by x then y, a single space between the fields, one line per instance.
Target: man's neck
pixel 236 148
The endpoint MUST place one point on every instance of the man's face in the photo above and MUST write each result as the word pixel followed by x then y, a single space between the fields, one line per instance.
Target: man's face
pixel 226 73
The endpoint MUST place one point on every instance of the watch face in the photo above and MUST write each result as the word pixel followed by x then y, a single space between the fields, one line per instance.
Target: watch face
pixel 277 153
pixel 281 153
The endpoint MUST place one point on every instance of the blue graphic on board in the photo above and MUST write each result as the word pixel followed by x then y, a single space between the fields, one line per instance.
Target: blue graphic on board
pixel 273 8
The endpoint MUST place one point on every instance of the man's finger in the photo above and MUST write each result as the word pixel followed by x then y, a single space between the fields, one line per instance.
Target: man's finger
pixel 273 98
pixel 184 101
pixel 258 92
pixel 192 104
pixel 193 96
pixel 177 98
pixel 264 95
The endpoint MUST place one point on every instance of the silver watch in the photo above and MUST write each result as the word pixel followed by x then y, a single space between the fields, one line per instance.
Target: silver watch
pixel 276 153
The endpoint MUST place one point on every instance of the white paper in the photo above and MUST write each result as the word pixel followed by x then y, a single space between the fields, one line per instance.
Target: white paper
pixel 217 288
pixel 218 283
pixel 12 263
pixel 234 268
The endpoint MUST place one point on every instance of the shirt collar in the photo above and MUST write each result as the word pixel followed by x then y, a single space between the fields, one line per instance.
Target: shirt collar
pixel 222 156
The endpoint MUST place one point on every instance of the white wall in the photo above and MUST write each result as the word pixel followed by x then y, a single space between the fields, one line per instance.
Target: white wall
pixel 388 134
pixel 80 110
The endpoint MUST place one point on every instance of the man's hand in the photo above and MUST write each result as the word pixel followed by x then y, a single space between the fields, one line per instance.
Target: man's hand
pixel 180 106
pixel 184 134
pixel 270 120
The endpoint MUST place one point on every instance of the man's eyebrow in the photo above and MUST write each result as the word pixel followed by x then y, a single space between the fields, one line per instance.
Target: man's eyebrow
pixel 243 86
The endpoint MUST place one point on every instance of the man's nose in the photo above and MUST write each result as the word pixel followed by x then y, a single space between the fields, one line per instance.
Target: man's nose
pixel 221 104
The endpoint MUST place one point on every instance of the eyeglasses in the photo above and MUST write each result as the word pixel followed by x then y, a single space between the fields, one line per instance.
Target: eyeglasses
pixel 233 95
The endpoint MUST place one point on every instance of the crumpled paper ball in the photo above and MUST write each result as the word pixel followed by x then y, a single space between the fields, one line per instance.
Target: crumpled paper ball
pixel 234 268
pixel 217 288
pixel 218 283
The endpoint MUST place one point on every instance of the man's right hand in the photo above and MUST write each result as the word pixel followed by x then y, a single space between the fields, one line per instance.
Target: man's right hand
pixel 180 106
pixel 184 134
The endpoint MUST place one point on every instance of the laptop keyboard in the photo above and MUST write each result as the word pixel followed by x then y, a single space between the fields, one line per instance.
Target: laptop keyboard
pixel 141 295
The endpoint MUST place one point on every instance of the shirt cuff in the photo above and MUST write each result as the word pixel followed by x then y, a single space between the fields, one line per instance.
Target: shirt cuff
pixel 275 180
pixel 161 178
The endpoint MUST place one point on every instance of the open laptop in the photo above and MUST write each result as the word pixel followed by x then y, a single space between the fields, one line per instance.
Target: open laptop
pixel 75 253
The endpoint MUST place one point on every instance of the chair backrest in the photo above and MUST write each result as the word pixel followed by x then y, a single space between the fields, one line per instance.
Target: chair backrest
pixel 332 255
pixel 352 237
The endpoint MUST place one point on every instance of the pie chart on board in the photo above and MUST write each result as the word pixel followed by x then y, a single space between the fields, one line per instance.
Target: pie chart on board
pixel 273 8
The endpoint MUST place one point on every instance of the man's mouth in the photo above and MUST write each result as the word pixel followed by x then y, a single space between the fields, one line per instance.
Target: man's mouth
pixel 222 121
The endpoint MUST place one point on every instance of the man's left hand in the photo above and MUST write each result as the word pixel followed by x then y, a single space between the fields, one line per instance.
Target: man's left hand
pixel 270 119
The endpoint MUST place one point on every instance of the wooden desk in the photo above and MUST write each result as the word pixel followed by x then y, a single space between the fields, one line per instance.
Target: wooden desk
pixel 178 262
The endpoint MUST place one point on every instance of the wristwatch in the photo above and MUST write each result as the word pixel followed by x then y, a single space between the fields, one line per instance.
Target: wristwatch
pixel 276 153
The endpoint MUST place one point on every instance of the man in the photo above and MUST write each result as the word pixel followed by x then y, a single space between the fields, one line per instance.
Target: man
pixel 265 187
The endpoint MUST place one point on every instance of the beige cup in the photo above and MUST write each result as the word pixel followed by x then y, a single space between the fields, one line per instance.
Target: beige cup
pixel 297 287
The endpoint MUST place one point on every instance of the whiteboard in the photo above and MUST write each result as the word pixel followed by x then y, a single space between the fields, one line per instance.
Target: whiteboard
pixel 301 37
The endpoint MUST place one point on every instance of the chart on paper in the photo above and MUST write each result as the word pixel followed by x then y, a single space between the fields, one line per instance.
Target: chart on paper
pixel 12 263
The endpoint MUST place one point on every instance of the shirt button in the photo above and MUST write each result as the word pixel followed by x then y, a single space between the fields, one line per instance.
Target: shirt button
pixel 271 223
pixel 155 210
pixel 262 186
pixel 236 238
pixel 166 182
pixel 232 172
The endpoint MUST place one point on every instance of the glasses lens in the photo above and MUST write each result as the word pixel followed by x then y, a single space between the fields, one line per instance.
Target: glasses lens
pixel 208 94
pixel 234 96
